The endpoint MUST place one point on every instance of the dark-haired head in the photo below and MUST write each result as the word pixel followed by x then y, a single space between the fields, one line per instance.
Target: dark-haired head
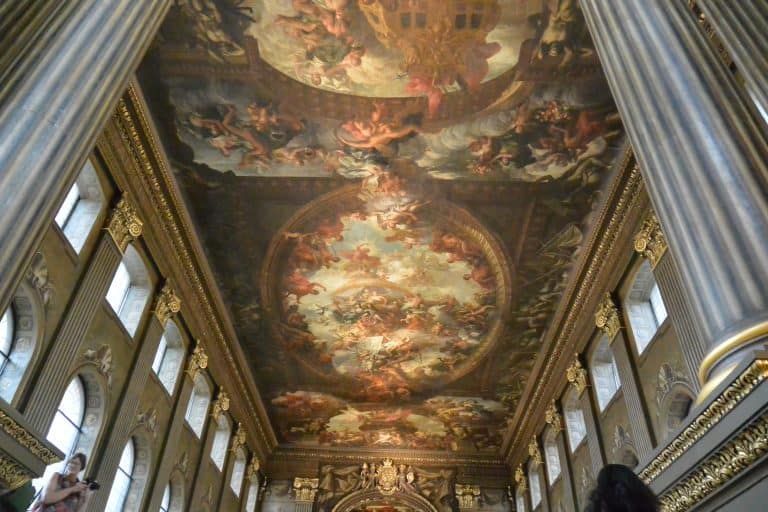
pixel 620 490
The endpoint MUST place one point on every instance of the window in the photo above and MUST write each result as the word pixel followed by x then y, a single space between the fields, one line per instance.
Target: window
pixel 129 291
pixel 65 429
pixel 6 337
pixel 552 456
pixel 645 307
pixel 197 409
pixel 166 503
pixel 238 472
pixel 253 495
pixel 220 442
pixel 169 357
pixel 123 478
pixel 520 502
pixel 80 208
pixel 533 479
pixel 574 421
pixel 604 373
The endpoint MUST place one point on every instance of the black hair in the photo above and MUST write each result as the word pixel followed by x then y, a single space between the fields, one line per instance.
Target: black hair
pixel 620 490
pixel 81 457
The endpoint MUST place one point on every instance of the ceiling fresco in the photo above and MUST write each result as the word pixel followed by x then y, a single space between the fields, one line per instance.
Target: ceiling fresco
pixel 391 195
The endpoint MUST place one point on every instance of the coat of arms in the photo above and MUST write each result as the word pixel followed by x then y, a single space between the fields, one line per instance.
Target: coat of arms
pixel 387 477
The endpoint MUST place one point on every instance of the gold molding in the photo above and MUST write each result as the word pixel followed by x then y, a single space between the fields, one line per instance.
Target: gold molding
pixel 220 405
pixel 124 225
pixel 12 474
pixel 305 489
pixel 650 240
pixel 253 468
pixel 553 418
pixel 167 304
pixel 741 338
pixel 22 436
pixel 607 317
pixel 737 391
pixel 467 495
pixel 198 361
pixel 734 457
pixel 534 451
pixel 577 375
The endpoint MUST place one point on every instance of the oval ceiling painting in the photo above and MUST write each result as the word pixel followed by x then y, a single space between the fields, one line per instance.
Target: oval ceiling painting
pixel 387 289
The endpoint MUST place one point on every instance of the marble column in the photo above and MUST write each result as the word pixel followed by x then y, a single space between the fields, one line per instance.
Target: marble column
pixel 741 26
pixel 704 159
pixel 63 351
pixel 64 66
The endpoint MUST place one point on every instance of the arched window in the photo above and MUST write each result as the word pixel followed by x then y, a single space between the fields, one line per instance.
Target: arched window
pixel 197 409
pixel 645 307
pixel 169 357
pixel 129 292
pixel 123 478
pixel 253 495
pixel 6 337
pixel 65 429
pixel 221 441
pixel 574 421
pixel 165 505
pixel 238 472
pixel 605 375
pixel 81 207
pixel 552 457
pixel 520 501
pixel 535 483
pixel 674 398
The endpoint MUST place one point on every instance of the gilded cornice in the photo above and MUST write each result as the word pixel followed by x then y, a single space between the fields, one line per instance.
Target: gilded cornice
pixel 622 199
pixel 607 317
pixel 27 440
pixel 734 457
pixel 577 375
pixel 553 418
pixel 167 304
pixel 124 225
pixel 737 391
pixel 137 137
pixel 198 361
pixel 650 241
pixel 12 474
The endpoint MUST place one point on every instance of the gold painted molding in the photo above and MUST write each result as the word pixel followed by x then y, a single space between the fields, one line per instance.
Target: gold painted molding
pixel 553 418
pixel 12 474
pixel 737 340
pixel 736 392
pixel 22 436
pixel 607 317
pixel 305 489
pixel 577 375
pixel 737 455
pixel 650 240
pixel 167 304
pixel 124 226
pixel 467 495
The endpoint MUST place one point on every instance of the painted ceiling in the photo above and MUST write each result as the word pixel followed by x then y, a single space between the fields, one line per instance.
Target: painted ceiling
pixel 391 195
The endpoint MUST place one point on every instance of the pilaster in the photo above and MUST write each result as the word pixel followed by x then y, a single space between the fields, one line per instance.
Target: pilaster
pixel 577 376
pixel 304 493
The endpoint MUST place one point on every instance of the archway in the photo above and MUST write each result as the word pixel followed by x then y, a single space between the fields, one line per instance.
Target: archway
pixel 373 500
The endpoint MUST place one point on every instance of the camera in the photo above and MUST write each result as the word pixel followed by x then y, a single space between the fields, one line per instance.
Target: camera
pixel 92 484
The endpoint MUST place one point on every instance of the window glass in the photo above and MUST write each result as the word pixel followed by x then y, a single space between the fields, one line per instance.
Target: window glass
pixel 645 307
pixel 160 355
pixel 533 477
pixel 118 290
pixel 238 471
pixel 6 336
pixel 577 430
pixel 520 502
pixel 68 206
pixel 166 503
pixel 605 375
pixel 220 442
pixel 657 305
pixel 123 478
pixel 197 409
pixel 553 460
pixel 253 494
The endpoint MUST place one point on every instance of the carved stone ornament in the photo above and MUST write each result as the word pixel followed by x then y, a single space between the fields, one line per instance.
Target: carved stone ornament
pixel 167 304
pixel 22 436
pixel 12 474
pixel 650 240
pixel 124 225
pixel 148 419
pixel 520 479
pixel 102 359
pixel 534 451
pixel 37 275
pixel 553 418
pixel 198 361
pixel 621 439
pixel 183 463
pixel 220 405
pixel 577 375
pixel 208 496
pixel 467 495
pixel 253 468
pixel 607 317
pixel 666 379
pixel 305 489
pixel 240 437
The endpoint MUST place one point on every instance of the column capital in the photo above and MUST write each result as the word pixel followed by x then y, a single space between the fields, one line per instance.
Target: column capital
pixel 553 418
pixel 220 405
pixel 240 437
pixel 467 495
pixel 607 317
pixel 650 240
pixel 198 361
pixel 522 484
pixel 305 489
pixel 167 304
pixel 252 473
pixel 124 226
pixel 577 375
pixel 534 451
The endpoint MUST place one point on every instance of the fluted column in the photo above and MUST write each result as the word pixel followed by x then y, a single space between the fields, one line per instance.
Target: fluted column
pixel 64 66
pixel 741 26
pixel 704 159
pixel 64 349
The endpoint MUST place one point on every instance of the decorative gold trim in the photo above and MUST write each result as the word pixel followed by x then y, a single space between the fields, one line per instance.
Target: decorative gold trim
pixel 534 451
pixel 167 304
pixel 240 437
pixel 305 489
pixel 253 468
pixel 22 436
pixel 553 418
pixel 415 457
pixel 220 405
pixel 650 241
pixel 607 317
pixel 12 474
pixel 467 495
pixel 124 226
pixel 522 484
pixel 732 343
pixel 739 389
pixel 733 458
pixel 198 361
pixel 577 375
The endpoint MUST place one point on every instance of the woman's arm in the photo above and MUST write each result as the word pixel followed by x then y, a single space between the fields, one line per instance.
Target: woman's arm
pixel 53 492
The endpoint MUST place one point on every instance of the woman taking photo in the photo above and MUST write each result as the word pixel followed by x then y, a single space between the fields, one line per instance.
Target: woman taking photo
pixel 65 492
